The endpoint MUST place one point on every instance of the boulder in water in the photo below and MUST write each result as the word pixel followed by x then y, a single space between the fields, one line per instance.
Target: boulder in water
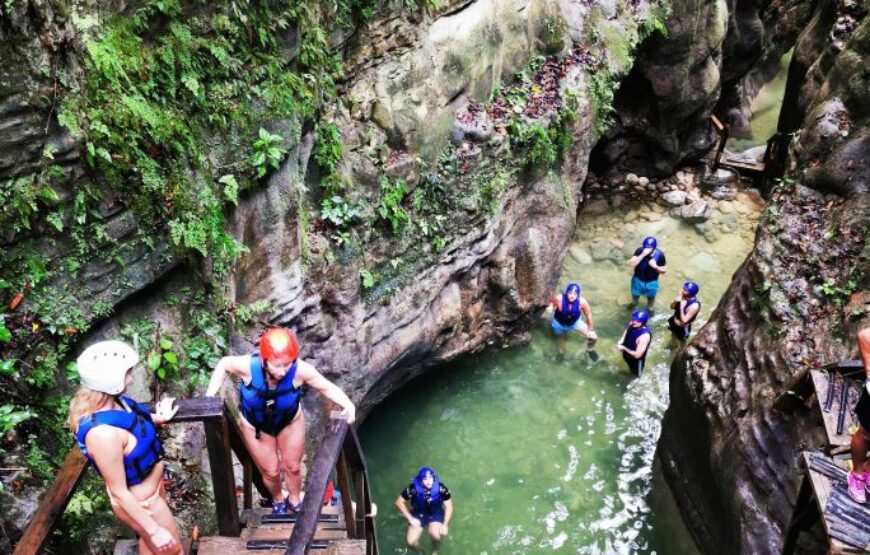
pixel 675 198
pixel 696 212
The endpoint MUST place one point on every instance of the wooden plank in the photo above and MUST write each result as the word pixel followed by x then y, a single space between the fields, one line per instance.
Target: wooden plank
pixel 283 533
pixel 823 489
pixel 222 479
pixel 346 547
pixel 198 408
pixel 52 505
pixel 318 477
pixel 821 382
pixel 845 366
pixel 346 501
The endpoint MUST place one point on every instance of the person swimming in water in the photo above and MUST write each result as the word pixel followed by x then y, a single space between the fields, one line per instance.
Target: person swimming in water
pixel 431 508
pixel 686 308
pixel 648 263
pixel 570 309
pixel 635 342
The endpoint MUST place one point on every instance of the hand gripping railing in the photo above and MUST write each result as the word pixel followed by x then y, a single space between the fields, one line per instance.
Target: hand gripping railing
pixel 222 436
pixel 340 450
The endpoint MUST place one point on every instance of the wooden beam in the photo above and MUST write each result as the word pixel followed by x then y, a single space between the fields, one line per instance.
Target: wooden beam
pixel 716 123
pixel 343 483
pixel 53 504
pixel 318 477
pixel 218 442
pixel 198 408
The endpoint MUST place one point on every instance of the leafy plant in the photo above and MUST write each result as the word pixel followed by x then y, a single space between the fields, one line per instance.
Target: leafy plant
pixel 268 152
pixel 162 360
pixel 390 209
pixel 11 416
pixel 339 212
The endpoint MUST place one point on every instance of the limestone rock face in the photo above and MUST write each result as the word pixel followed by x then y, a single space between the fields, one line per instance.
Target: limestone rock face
pixel 795 304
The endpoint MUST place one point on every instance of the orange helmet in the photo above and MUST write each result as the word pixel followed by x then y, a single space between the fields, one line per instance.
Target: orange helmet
pixel 278 342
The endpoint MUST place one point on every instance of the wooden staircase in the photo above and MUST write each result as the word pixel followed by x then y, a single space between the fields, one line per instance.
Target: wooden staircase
pixel 264 533
pixel 348 529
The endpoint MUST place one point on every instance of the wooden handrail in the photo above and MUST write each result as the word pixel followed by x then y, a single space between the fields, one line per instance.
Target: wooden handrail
pixel 53 504
pixel 340 450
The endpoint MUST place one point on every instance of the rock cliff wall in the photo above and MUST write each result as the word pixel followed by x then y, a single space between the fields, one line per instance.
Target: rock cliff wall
pixel 796 303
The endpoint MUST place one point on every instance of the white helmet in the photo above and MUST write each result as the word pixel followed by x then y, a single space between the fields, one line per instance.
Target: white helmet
pixel 103 366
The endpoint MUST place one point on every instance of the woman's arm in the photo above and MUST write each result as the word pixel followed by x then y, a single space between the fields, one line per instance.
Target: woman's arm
pixel 635 260
pixel 105 445
pixel 448 514
pixel 403 508
pixel 584 306
pixel 642 343
pixel 310 376
pixel 621 339
pixel 663 269
pixel 235 366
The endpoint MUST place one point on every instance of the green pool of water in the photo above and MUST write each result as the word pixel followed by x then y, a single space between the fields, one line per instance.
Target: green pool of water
pixel 553 453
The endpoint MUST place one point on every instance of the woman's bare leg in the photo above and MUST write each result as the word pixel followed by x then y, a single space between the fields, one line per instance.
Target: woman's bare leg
pixel 264 452
pixel 291 443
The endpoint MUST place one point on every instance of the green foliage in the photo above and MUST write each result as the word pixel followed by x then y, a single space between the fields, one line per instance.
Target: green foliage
pixel 11 416
pixel 536 142
pixel 339 212
pixel 838 295
pixel 390 209
pixel 655 20
pixel 491 189
pixel 23 198
pixel 268 152
pixel 329 149
pixel 601 94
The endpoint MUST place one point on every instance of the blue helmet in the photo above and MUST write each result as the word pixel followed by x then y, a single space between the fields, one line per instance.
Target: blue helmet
pixel 691 288
pixel 650 242
pixel 572 287
pixel 641 316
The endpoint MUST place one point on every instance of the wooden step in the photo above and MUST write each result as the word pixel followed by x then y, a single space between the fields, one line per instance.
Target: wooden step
pixel 221 545
pixel 284 531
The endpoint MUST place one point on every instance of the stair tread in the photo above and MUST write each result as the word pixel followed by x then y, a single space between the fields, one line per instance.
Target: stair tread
pixel 283 532
pixel 222 545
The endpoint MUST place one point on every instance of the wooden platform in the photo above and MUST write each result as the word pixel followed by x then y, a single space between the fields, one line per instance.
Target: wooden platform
pixel 268 537
pixel 830 388
pixel 824 496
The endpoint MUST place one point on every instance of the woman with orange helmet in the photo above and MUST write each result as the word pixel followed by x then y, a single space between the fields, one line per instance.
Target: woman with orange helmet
pixel 270 392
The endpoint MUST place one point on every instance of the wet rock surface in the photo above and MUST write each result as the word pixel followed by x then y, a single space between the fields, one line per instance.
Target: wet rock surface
pixel 795 304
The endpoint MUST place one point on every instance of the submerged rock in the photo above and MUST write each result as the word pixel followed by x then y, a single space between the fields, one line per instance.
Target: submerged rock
pixel 675 198
pixel 696 212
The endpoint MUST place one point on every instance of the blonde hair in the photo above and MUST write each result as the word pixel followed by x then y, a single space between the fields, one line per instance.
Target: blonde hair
pixel 84 402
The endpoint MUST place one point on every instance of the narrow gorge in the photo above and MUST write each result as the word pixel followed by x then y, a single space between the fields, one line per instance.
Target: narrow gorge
pixel 400 183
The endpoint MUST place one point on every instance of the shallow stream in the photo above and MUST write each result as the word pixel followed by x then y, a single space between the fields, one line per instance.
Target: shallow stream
pixel 553 453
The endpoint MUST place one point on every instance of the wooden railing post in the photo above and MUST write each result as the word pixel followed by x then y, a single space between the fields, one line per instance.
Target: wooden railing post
pixel 53 504
pixel 217 437
pixel 346 502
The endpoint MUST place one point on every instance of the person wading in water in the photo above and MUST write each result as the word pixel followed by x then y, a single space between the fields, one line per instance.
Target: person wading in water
pixel 431 508
pixel 648 263
pixel 118 436
pixel 635 342
pixel 686 308
pixel 570 309
pixel 270 392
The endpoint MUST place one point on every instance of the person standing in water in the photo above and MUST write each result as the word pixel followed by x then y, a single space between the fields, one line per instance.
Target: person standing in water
pixel 431 508
pixel 686 308
pixel 859 477
pixel 270 395
pixel 648 263
pixel 118 436
pixel 569 307
pixel 635 342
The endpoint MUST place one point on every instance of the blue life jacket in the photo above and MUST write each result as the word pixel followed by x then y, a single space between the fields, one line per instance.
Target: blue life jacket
pixel 148 451
pixel 419 502
pixel 643 271
pixel 631 337
pixel 678 313
pixel 569 313
pixel 269 410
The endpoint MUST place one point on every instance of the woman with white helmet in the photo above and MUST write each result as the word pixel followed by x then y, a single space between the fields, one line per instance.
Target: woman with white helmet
pixel 118 436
